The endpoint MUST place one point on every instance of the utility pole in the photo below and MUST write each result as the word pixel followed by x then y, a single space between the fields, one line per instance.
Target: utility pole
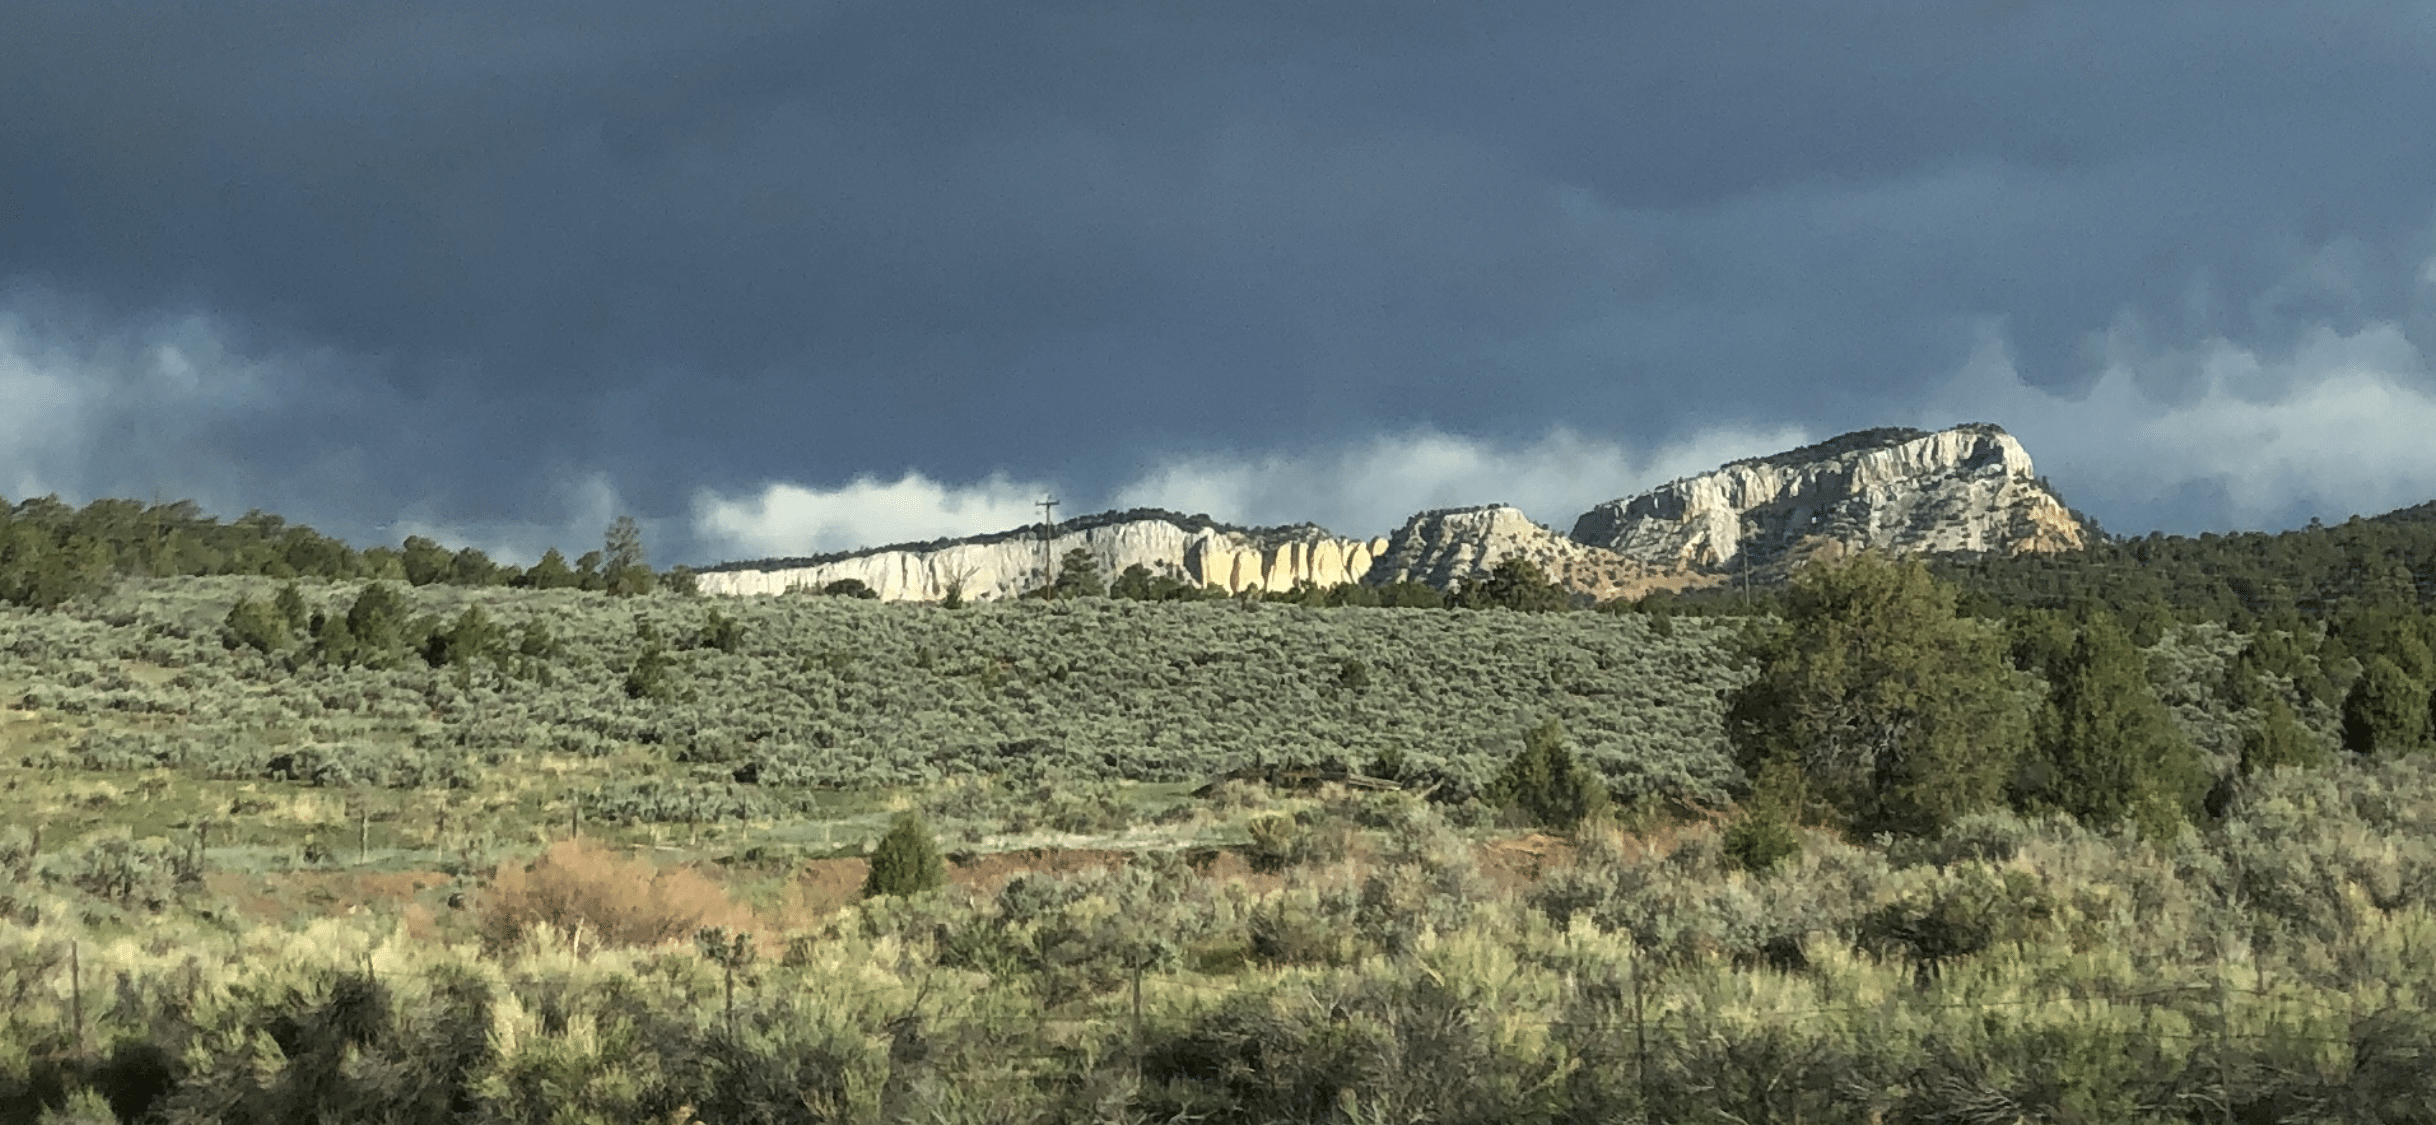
pixel 1048 537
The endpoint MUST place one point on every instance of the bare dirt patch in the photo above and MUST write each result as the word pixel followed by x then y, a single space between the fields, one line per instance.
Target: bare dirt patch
pixel 1523 860
pixel 994 870
pixel 329 894
pixel 826 886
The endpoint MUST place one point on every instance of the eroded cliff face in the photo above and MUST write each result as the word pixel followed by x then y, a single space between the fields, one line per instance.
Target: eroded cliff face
pixel 1970 488
pixel 1007 565
pixel 1442 548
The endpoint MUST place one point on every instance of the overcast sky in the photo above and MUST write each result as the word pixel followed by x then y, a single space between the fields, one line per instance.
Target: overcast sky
pixel 787 277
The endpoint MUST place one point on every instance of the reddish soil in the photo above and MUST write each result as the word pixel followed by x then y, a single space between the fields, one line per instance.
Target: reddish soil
pixel 820 887
pixel 332 894
pixel 824 886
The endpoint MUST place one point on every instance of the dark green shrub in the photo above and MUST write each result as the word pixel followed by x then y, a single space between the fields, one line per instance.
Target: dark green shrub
pixel 251 624
pixel 1967 910
pixel 2386 711
pixel 1280 841
pixel 1762 839
pixel 1545 783
pixel 648 677
pixel 906 862
pixel 1516 584
pixel 722 632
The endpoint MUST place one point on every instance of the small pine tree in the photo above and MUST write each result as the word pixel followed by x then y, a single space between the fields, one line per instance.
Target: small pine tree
pixel 1078 576
pixel 1545 782
pixel 906 862
pixel 2105 750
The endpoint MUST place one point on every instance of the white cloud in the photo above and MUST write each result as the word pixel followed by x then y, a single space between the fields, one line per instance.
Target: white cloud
pixel 791 519
pixel 587 503
pixel 2339 425
pixel 1369 487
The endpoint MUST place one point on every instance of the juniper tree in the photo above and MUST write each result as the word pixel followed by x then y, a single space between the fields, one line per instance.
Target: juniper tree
pixel 1546 783
pixel 292 609
pixel 1896 714
pixel 906 862
pixel 1078 576
pixel 1135 583
pixel 424 560
pixel 1515 583
pixel 2105 750
pixel 372 633
pixel 2279 740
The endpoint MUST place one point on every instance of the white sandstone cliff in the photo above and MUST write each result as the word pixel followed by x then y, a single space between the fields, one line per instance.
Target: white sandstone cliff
pixel 1443 548
pixel 1006 565
pixel 1969 488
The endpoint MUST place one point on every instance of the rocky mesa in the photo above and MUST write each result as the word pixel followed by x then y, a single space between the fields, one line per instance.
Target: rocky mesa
pixel 1968 488
pixel 1194 549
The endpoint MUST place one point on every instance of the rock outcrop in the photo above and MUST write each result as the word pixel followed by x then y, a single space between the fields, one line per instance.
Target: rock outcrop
pixel 1444 547
pixel 1188 548
pixel 1969 488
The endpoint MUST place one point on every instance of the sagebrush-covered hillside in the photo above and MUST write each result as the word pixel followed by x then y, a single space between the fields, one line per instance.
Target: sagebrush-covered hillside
pixel 846 693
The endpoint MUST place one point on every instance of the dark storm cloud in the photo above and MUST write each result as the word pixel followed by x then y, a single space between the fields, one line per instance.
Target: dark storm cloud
pixel 487 259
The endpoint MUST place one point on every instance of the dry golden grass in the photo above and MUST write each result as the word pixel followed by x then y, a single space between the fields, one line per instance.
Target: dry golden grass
pixel 590 893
